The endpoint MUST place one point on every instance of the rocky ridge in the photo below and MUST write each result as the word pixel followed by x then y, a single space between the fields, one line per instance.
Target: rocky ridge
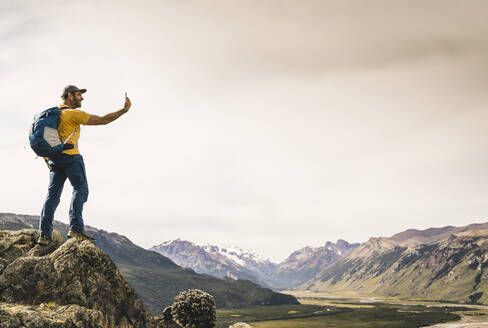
pixel 433 235
pixel 302 265
pixel 452 269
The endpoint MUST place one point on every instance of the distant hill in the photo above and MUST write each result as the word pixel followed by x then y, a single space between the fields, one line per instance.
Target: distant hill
pixel 157 279
pixel 446 263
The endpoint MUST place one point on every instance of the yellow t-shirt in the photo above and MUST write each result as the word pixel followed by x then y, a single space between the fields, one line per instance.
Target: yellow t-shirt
pixel 69 120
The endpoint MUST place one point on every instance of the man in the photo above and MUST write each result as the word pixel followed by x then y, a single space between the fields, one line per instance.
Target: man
pixel 69 164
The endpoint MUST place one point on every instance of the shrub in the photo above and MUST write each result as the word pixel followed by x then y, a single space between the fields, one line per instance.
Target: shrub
pixel 194 309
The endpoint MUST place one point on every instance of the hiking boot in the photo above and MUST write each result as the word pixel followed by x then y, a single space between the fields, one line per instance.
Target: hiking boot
pixel 44 240
pixel 80 235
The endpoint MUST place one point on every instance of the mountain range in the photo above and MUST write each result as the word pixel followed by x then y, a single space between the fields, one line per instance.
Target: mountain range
pixel 444 264
pixel 157 279
pixel 236 263
pixel 448 264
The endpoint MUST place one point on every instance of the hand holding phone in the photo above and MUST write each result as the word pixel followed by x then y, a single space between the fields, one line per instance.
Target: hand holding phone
pixel 127 102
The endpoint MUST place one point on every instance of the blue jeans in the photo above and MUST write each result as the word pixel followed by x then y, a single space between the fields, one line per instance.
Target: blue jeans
pixel 62 167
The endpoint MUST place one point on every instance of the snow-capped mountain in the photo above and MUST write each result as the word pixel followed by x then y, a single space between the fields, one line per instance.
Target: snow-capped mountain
pixel 237 263
pixel 229 262
pixel 247 259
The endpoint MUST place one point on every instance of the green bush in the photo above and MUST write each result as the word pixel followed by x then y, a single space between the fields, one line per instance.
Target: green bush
pixel 194 309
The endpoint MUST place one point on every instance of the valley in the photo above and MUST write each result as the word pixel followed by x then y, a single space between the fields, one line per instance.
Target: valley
pixel 320 310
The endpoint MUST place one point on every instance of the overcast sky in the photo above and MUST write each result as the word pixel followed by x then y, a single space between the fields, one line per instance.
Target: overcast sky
pixel 270 125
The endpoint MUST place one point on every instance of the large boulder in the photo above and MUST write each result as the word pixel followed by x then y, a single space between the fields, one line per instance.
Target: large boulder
pixel 79 283
pixel 240 325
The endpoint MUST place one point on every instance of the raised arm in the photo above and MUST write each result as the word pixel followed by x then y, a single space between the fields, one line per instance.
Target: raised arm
pixel 102 120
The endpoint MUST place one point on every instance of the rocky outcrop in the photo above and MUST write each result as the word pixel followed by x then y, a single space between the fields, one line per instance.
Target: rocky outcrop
pixel 70 285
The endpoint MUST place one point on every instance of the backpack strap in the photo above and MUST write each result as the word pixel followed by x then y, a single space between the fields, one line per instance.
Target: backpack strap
pixel 65 141
pixel 76 139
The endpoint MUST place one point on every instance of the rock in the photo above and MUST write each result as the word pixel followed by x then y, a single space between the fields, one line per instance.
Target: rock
pixel 166 321
pixel 14 244
pixel 165 324
pixel 78 281
pixel 56 236
pixel 53 316
pixel 240 325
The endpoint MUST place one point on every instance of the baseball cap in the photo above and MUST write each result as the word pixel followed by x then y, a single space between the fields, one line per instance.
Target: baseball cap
pixel 69 89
